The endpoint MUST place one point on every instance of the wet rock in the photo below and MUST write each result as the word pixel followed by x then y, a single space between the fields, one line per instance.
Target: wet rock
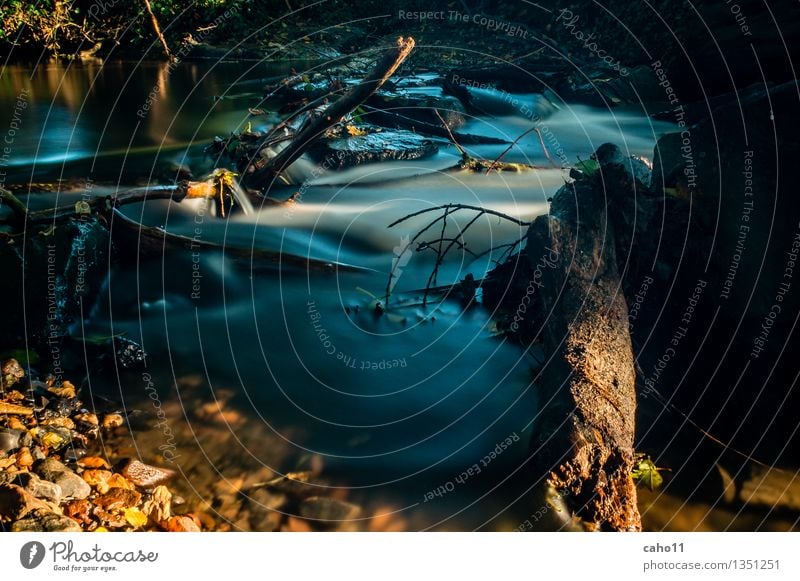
pixel 144 475
pixel 52 437
pixel 16 502
pixel 182 524
pixel 43 520
pixel 129 354
pixel 111 421
pixel 264 507
pixel 79 510
pixel 419 107
pixel 13 409
pixel 12 373
pixel 59 423
pixel 96 478
pixel 118 498
pixel 39 488
pixel 158 506
pixel 9 439
pixel 328 509
pixel 377 146
pixel 24 457
pixel 93 462
pixel 87 418
pixel 66 390
pixel 72 485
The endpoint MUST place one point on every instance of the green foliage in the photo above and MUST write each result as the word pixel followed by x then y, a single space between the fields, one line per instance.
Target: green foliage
pixel 646 472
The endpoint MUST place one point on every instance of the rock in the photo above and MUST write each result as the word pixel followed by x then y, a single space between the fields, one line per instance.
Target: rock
pixel 328 509
pixel 144 475
pixel 158 507
pixel 87 418
pixel 24 457
pixel 419 107
pixel 118 498
pixel 12 373
pixel 43 520
pixel 9 439
pixel 65 390
pixel 59 423
pixel 182 524
pixel 16 502
pixel 39 488
pixel 72 485
pixel 52 437
pixel 79 510
pixel 13 409
pixel 111 421
pixel 264 506
pixel 93 462
pixel 95 478
pixel 376 146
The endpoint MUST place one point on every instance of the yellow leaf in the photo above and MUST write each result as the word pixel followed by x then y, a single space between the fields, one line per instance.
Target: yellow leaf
pixel 135 517
pixel 101 530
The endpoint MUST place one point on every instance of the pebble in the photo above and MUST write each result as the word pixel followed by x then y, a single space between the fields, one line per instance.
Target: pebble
pixel 12 372
pixel 93 462
pixel 40 488
pixel 328 509
pixel 16 502
pixel 66 390
pixel 9 439
pixel 118 498
pixel 182 524
pixel 79 510
pixel 158 507
pixel 72 485
pixel 111 421
pixel 87 418
pixel 43 520
pixel 144 475
pixel 13 409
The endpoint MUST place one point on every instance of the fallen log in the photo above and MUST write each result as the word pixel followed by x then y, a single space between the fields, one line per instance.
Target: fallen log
pixel 333 114
pixel 583 443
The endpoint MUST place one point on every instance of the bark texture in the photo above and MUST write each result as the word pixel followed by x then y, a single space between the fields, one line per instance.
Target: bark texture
pixel 584 441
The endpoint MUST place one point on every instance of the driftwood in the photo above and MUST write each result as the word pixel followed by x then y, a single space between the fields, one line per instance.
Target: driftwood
pixel 584 441
pixel 333 114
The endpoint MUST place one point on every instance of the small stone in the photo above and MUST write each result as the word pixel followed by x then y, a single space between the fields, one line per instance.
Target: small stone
pixel 46 521
pixel 118 498
pixel 15 424
pixel 119 481
pixel 52 437
pixel 24 457
pixel 95 478
pixel 111 421
pixel 182 524
pixel 87 418
pixel 144 475
pixel 12 373
pixel 110 519
pixel 58 422
pixel 159 506
pixel 79 510
pixel 66 390
pixel 39 488
pixel 16 502
pixel 93 462
pixel 72 485
pixel 328 509
pixel 9 439
pixel 13 409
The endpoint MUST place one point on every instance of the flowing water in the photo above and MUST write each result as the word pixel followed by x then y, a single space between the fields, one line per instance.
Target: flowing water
pixel 396 405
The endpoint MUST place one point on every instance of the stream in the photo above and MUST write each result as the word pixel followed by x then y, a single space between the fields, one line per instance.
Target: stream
pixel 397 405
